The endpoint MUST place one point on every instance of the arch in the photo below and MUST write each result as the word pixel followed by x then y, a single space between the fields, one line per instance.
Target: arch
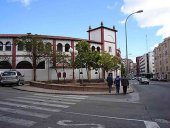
pixel 67 47
pixel 93 48
pixel 59 47
pixel 24 65
pixel 98 49
pixel 110 38
pixel 41 65
pixel 8 46
pixel 5 65
pixel 1 46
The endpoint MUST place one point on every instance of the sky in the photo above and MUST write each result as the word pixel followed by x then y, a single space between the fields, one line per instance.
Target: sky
pixel 72 18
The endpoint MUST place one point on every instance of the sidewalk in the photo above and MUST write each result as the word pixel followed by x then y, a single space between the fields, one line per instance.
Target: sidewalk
pixel 50 91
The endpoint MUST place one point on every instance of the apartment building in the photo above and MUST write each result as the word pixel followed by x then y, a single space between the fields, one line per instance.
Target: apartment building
pixel 162 60
pixel 146 65
pixel 131 67
pixel 12 56
pixel 138 66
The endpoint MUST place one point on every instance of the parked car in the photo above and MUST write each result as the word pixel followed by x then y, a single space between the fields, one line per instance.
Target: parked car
pixel 11 77
pixel 144 81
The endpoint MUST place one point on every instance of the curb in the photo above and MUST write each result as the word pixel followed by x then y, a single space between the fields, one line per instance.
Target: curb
pixel 48 91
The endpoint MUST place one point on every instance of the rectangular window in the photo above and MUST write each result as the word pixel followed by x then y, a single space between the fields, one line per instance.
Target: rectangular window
pixel 110 49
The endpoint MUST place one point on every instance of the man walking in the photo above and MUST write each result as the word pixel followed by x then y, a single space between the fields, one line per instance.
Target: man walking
pixel 117 84
pixel 110 82
pixel 125 84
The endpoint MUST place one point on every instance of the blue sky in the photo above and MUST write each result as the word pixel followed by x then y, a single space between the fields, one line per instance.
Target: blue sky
pixel 72 18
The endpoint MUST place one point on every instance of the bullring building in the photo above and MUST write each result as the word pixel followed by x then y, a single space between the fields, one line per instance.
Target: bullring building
pixel 12 56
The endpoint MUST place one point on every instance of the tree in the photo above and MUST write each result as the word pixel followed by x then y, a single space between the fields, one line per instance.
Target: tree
pixel 86 58
pixel 109 63
pixel 36 49
pixel 116 64
pixel 122 69
pixel 61 61
pixel 106 62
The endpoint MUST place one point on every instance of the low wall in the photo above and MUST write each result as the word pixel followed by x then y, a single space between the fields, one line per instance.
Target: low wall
pixel 92 87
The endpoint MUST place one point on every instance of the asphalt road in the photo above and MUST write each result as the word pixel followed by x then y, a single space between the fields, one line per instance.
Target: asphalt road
pixel 147 107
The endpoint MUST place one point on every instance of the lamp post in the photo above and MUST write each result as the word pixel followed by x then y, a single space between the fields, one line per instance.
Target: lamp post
pixel 140 11
pixel 73 52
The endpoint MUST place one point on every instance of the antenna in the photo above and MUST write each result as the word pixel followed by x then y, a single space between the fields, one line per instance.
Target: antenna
pixel 146 43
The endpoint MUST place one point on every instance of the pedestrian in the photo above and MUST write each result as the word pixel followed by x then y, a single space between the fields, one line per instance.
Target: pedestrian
pixel 125 84
pixel 109 82
pixel 117 84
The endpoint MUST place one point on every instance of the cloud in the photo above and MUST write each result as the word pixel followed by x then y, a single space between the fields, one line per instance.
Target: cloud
pixel 152 48
pixel 112 6
pixel 156 14
pixel 26 3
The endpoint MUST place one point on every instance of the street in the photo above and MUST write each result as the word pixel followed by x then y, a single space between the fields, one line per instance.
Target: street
pixel 147 107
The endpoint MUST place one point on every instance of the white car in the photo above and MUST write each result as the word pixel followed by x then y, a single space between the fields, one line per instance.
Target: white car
pixel 11 77
pixel 144 81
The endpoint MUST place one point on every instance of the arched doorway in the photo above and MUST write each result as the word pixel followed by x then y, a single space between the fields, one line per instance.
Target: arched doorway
pixel 41 65
pixel 24 65
pixel 5 65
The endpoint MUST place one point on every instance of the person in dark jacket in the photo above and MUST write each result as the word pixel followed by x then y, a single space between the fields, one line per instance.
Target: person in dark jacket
pixel 109 82
pixel 117 84
pixel 125 84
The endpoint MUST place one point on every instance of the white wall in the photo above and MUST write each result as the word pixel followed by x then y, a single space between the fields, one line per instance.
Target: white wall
pixel 112 45
pixel 95 35
pixel 109 35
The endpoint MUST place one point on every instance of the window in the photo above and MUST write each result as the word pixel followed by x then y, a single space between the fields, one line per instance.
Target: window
pixel 40 46
pixel 59 47
pixel 8 46
pixel 93 48
pixel 1 46
pixel 19 74
pixel 20 46
pixel 98 49
pixel 47 48
pixel 28 46
pixel 110 49
pixel 67 47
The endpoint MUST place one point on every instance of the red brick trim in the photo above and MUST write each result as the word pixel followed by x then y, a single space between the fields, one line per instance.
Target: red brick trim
pixel 14 54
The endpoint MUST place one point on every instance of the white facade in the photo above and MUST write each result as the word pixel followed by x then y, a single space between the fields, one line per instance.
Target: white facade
pixel 100 39
pixel 146 64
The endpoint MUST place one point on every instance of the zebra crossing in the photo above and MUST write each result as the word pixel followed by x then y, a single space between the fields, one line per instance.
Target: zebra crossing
pixel 37 105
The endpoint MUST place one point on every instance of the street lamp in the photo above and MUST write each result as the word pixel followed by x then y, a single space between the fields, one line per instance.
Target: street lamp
pixel 140 11
pixel 73 52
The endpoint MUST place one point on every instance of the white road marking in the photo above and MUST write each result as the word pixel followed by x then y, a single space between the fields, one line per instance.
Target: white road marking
pixel 150 124
pixel 29 106
pixel 22 112
pixel 64 96
pixel 22 122
pixel 39 103
pixel 54 98
pixel 45 100
pixel 65 123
